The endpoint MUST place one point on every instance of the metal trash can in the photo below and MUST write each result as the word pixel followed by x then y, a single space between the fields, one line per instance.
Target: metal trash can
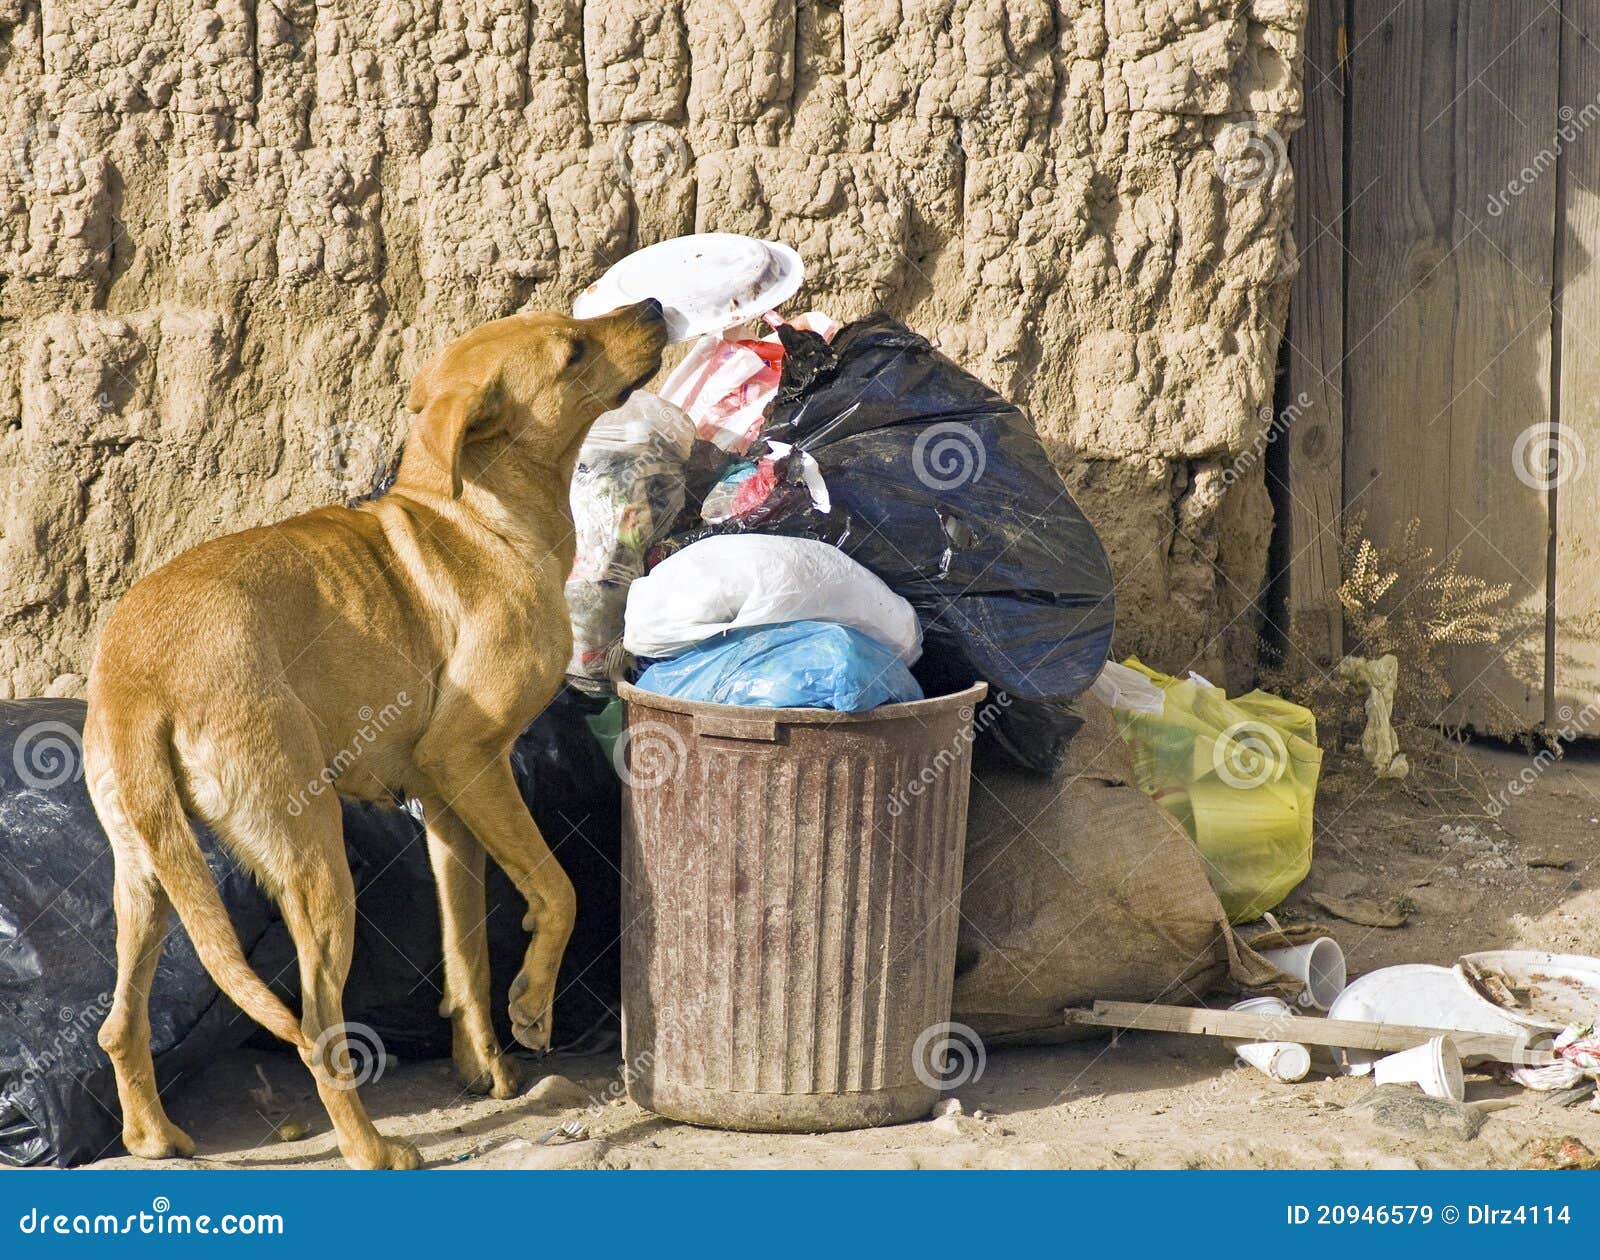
pixel 791 894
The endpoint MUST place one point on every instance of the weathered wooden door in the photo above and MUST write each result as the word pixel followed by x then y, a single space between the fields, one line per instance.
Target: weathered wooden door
pixel 1446 321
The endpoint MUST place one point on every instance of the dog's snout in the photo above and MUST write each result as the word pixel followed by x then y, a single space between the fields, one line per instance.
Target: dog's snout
pixel 651 309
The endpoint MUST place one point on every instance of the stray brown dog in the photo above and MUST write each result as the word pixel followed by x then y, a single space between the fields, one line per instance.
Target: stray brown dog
pixel 398 646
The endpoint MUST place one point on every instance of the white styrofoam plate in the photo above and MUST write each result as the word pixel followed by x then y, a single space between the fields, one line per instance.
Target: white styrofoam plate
pixel 705 283
pixel 1418 994
pixel 1536 989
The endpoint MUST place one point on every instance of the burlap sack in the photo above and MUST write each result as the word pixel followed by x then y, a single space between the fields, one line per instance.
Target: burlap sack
pixel 1080 887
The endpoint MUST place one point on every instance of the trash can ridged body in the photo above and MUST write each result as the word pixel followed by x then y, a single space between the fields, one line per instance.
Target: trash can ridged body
pixel 790 907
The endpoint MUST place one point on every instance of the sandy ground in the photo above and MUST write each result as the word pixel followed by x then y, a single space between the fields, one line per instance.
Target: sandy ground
pixel 1147 1100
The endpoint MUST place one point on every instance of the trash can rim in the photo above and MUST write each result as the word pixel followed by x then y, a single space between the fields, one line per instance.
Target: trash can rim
pixel 816 717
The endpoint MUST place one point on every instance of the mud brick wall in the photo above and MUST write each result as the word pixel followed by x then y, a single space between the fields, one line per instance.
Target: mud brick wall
pixel 231 230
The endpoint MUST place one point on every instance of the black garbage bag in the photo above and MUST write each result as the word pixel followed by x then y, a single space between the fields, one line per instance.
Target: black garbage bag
pixel 955 505
pixel 58 1101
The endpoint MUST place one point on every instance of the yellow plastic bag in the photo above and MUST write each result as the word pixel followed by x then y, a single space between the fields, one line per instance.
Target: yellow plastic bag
pixel 1240 775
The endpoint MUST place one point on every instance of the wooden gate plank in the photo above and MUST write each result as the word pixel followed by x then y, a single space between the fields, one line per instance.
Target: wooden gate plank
pixel 1448 320
pixel 1314 415
pixel 1576 472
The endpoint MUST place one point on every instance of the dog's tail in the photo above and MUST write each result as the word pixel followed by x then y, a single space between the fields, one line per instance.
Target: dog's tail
pixel 141 759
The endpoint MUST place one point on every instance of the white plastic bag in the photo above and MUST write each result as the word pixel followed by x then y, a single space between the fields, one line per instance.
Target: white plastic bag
pixel 627 490
pixel 736 580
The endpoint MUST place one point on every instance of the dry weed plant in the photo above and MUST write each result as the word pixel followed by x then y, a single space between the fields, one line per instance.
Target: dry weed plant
pixel 1401 598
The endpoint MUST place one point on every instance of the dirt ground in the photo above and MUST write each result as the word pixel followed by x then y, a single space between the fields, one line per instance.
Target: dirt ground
pixel 1148 1100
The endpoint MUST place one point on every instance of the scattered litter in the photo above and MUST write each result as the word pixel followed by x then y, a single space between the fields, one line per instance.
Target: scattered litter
pixel 1536 988
pixel 947 1107
pixel 1434 1066
pixel 1379 744
pixel 796 665
pixel 571 1131
pixel 290 1131
pixel 1363 910
pixel 1283 1061
pixel 1416 993
pixel 1318 965
pixel 1558 1154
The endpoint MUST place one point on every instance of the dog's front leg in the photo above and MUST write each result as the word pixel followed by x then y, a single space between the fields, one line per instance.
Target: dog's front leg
pixel 457 861
pixel 477 782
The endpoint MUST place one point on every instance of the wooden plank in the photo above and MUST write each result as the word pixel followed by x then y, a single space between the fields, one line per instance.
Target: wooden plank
pixel 1575 663
pixel 1348 1034
pixel 1448 324
pixel 1314 414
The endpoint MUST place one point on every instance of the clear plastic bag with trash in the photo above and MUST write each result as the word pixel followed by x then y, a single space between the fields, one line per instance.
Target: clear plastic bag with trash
pixel 627 490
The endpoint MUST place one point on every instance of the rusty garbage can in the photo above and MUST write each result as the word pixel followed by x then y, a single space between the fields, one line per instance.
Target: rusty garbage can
pixel 791 893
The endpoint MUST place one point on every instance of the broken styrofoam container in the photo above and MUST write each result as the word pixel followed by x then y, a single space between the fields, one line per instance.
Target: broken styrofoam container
pixel 705 283
pixel 1318 965
pixel 1533 987
pixel 1285 1061
pixel 1418 994
pixel 1435 1066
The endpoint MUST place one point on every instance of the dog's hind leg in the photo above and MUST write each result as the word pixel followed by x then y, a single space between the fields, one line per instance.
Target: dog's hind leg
pixel 458 870
pixel 141 909
pixel 318 902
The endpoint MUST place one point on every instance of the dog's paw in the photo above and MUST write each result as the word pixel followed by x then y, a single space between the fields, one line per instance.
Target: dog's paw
pixel 162 1141
pixel 500 1077
pixel 532 1013
pixel 401 1156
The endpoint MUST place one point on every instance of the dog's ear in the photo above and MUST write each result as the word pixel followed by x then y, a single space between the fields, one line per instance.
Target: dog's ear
pixel 442 427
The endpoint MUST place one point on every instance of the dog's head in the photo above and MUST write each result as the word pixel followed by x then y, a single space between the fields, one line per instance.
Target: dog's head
pixel 526 389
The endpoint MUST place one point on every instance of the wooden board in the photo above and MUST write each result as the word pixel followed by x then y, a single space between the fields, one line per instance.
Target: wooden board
pixel 1348 1034
pixel 1314 413
pixel 1575 647
pixel 1448 323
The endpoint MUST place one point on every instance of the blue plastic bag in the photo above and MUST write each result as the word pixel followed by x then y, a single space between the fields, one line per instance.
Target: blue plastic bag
pixel 792 665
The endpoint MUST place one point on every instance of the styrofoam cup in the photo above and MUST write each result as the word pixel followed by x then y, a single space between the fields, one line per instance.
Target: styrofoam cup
pixel 1435 1066
pixel 1318 964
pixel 1285 1061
